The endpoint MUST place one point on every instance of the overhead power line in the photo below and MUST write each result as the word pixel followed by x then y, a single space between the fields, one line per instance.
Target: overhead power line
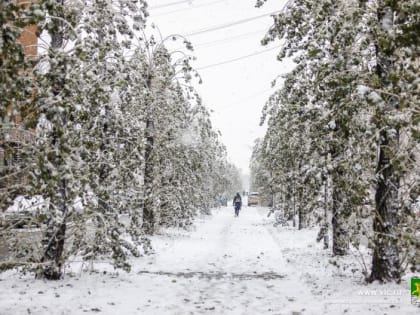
pixel 226 25
pixel 190 8
pixel 230 39
pixel 170 4
pixel 237 59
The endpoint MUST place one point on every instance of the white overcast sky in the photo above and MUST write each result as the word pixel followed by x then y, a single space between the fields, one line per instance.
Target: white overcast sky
pixel 235 91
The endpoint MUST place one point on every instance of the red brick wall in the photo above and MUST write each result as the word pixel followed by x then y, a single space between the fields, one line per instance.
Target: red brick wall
pixel 28 37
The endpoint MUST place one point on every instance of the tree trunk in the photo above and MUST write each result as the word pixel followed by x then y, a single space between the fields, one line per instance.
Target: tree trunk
pixel 325 223
pixel 294 203
pixel 340 215
pixel 301 198
pixel 385 260
pixel 55 234
pixel 301 210
pixel 301 224
pixel 148 212
pixel 301 213
pixel 386 263
pixel 149 219
pixel 54 239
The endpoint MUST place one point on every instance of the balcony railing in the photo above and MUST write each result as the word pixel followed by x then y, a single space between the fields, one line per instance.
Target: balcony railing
pixel 16 135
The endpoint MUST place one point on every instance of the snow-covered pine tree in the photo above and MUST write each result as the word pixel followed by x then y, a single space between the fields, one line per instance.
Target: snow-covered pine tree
pixel 57 175
pixel 289 154
pixel 112 127
pixel 351 49
pixel 393 38
pixel 336 80
pixel 165 109
pixel 318 33
pixel 183 156
pixel 260 176
pixel 229 181
pixel 78 138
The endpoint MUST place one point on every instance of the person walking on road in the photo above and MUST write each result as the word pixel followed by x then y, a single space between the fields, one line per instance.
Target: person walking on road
pixel 237 203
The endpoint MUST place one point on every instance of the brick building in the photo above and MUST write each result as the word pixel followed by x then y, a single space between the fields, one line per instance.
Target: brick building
pixel 28 38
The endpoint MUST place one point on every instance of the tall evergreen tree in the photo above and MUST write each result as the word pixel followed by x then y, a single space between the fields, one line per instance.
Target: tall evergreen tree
pixel 394 39
pixel 355 61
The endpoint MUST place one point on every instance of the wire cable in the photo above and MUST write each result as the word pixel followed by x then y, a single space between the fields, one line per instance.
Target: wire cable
pixel 229 39
pixel 190 8
pixel 226 25
pixel 237 59
pixel 226 40
pixel 170 4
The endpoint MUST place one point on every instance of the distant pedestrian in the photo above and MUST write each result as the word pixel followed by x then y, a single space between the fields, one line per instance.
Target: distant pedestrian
pixel 237 204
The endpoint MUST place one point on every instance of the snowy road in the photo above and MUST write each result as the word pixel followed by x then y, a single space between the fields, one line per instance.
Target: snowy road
pixel 227 265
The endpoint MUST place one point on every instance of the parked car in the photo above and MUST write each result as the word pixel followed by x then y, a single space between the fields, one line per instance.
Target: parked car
pixel 253 199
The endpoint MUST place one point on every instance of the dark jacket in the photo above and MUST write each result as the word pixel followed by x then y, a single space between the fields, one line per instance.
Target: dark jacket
pixel 237 200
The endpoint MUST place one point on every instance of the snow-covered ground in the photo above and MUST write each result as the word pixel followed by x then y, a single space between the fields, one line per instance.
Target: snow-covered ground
pixel 227 265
